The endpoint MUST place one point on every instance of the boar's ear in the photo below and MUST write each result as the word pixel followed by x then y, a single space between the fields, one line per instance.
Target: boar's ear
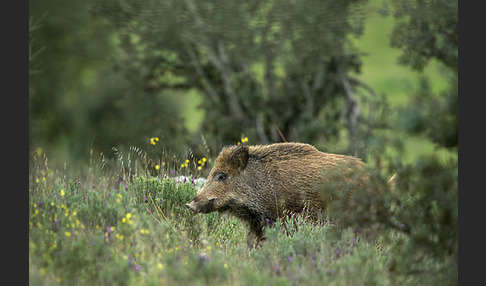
pixel 239 157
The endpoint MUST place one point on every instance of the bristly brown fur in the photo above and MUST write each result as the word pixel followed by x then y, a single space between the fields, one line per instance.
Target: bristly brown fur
pixel 261 183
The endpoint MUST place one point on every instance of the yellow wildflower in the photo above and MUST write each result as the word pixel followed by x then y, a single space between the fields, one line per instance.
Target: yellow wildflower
pixel 144 231
pixel 38 151
pixel 128 216
pixel 204 159
pixel 42 271
pixel 67 233
pixel 160 266
pixel 157 167
pixel 62 193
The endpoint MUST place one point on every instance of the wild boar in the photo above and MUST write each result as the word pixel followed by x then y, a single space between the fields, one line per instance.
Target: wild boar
pixel 261 183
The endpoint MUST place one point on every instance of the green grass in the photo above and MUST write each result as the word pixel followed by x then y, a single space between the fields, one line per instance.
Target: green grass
pixel 118 226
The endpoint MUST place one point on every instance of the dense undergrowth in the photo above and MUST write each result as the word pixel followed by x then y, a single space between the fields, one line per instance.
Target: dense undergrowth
pixel 129 226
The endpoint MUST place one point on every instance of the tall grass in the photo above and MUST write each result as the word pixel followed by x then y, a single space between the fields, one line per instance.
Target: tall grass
pixel 125 223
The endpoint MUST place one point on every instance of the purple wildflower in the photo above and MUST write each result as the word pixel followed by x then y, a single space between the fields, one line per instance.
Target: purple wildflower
pixel 41 203
pixel 203 259
pixel 278 270
pixel 136 267
pixel 55 226
pixel 338 253
pixel 146 199
pixel 291 258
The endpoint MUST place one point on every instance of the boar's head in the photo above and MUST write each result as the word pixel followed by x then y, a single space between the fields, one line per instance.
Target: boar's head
pixel 220 192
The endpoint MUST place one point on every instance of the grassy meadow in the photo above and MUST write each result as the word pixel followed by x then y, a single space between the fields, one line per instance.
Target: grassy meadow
pixel 124 222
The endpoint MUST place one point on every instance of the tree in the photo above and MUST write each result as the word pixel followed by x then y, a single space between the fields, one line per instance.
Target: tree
pixel 78 100
pixel 426 30
pixel 273 70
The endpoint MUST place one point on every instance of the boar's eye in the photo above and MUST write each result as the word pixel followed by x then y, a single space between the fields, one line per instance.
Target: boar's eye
pixel 220 177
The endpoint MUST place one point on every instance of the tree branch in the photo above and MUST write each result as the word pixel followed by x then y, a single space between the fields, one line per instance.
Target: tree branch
pixel 353 109
pixel 208 87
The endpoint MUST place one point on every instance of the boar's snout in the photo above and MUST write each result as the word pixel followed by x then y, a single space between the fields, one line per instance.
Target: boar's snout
pixel 201 207
pixel 192 206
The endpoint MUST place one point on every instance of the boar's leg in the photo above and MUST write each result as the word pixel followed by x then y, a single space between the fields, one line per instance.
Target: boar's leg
pixel 256 234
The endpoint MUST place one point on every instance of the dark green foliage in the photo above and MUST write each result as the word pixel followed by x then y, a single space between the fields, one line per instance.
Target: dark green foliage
pixel 418 212
pixel 435 116
pixel 78 100
pixel 426 30
pixel 428 199
pixel 264 69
